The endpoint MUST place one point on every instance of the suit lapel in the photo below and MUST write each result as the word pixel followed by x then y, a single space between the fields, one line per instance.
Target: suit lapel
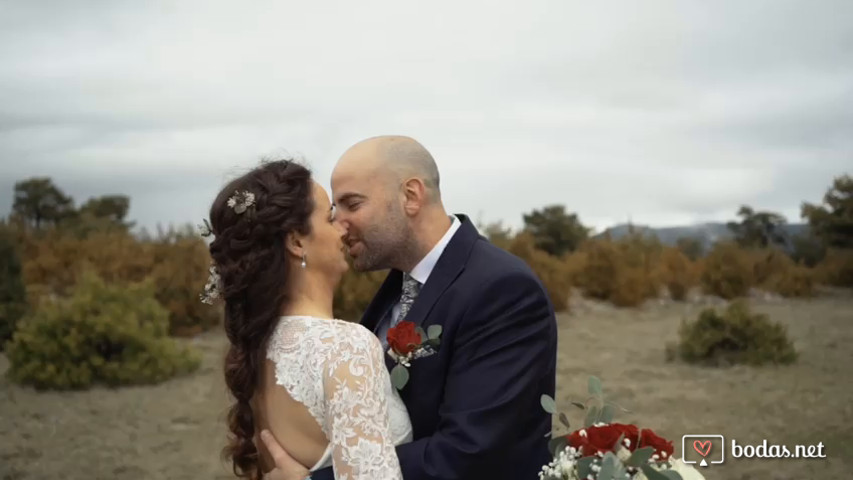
pixel 450 264
pixel 384 299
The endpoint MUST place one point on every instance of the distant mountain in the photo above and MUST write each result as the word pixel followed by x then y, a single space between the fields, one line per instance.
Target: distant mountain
pixel 708 233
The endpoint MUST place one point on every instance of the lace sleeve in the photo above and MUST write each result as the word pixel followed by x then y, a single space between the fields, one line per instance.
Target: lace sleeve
pixel 357 410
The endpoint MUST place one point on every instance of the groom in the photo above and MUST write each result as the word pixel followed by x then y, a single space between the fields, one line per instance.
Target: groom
pixel 475 404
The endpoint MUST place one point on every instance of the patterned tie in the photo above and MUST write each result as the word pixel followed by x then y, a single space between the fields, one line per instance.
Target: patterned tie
pixel 411 288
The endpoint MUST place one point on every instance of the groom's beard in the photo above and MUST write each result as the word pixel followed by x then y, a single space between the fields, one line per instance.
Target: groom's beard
pixel 385 246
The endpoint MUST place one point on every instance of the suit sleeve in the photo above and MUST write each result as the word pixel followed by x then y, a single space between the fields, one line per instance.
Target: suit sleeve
pixel 503 357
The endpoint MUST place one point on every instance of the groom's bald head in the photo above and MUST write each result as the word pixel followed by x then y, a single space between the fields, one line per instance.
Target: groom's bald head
pixel 393 159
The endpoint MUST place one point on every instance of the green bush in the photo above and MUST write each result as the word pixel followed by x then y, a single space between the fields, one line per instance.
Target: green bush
pixel 101 334
pixel 736 336
pixel 727 271
pixel 13 299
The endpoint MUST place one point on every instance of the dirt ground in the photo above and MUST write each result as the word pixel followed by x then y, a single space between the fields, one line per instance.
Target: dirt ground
pixel 176 430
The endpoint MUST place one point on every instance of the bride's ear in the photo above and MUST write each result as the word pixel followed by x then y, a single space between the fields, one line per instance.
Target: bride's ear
pixel 294 244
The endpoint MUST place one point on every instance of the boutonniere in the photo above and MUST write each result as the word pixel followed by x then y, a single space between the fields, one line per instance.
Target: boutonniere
pixel 407 342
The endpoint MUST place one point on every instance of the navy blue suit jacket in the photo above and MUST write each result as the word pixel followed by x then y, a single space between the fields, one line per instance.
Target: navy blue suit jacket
pixel 475 404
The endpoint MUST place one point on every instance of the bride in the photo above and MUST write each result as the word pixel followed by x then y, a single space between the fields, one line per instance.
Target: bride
pixel 319 384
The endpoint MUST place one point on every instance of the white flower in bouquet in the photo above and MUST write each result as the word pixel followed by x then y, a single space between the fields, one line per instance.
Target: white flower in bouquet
pixel 604 450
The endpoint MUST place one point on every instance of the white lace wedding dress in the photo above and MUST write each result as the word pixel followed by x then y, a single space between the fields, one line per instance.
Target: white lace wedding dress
pixel 337 370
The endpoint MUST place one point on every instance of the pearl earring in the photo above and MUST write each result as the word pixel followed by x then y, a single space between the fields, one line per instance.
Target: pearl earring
pixel 303 260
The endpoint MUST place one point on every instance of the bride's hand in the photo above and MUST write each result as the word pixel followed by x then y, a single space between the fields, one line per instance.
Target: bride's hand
pixel 286 468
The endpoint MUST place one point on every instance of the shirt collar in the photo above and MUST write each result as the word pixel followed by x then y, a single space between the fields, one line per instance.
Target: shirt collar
pixel 424 268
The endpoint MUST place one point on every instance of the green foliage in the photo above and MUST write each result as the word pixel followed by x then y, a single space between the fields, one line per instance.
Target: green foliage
pixel 13 301
pixel 758 229
pixel 832 221
pixel 103 334
pixel 807 250
pixel 550 270
pixel 736 336
pixel 727 271
pixel 554 231
pixel 39 202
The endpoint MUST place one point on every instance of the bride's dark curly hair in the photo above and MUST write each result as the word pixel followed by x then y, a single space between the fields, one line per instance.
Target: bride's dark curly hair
pixel 249 253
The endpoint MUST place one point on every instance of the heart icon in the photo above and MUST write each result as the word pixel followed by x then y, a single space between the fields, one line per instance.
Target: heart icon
pixel 702 448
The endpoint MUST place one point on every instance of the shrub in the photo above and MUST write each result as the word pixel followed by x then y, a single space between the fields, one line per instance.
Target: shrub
pixel 676 272
pixel 550 269
pixel 727 271
pixel 181 268
pixel 737 336
pixel 775 271
pixel 797 281
pixel 837 268
pixel 769 263
pixel 621 272
pixel 102 334
pixel 355 292
pixel 13 301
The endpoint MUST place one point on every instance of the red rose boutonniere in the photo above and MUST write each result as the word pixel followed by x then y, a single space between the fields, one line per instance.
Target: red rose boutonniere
pixel 407 342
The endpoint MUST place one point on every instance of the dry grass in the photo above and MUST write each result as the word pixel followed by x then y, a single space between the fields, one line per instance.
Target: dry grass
pixel 175 430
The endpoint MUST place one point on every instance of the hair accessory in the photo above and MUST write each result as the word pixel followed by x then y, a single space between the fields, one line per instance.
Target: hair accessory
pixel 241 201
pixel 213 289
pixel 205 230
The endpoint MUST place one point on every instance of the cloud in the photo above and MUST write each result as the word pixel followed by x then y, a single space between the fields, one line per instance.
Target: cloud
pixel 665 112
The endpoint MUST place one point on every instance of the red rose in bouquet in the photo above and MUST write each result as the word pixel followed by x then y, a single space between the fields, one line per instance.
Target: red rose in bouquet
pixel 662 446
pixel 403 338
pixel 602 438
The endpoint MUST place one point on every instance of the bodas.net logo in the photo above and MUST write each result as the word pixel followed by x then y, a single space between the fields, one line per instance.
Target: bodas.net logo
pixel 703 450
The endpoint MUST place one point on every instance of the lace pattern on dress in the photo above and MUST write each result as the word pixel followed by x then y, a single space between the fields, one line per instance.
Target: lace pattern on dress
pixel 336 369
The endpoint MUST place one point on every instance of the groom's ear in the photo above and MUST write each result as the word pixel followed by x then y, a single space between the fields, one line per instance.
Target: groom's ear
pixel 294 244
pixel 415 193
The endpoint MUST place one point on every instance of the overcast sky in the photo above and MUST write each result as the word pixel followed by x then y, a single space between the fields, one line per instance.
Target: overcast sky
pixel 662 112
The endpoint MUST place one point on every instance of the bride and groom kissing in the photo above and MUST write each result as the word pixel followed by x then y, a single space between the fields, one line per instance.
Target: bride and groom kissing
pixel 313 394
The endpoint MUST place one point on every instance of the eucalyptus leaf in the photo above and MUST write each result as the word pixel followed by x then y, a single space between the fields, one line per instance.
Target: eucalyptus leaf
pixel 652 474
pixel 399 377
pixel 579 405
pixel 434 331
pixel 607 414
pixel 640 456
pixel 594 386
pixel 548 404
pixel 608 466
pixel 556 445
pixel 565 420
pixel 591 416
pixel 585 466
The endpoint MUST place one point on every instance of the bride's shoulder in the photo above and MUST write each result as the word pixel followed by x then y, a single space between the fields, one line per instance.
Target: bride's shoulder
pixel 356 331
pixel 330 329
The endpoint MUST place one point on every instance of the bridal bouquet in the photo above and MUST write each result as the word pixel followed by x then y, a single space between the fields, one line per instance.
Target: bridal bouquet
pixel 604 450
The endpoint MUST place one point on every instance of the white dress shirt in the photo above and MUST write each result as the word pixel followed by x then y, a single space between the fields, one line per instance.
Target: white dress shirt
pixel 424 268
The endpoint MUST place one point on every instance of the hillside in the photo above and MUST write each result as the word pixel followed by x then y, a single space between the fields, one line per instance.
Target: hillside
pixel 708 233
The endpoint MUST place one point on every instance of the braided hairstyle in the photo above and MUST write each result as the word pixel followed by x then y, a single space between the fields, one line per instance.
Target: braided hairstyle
pixel 250 255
